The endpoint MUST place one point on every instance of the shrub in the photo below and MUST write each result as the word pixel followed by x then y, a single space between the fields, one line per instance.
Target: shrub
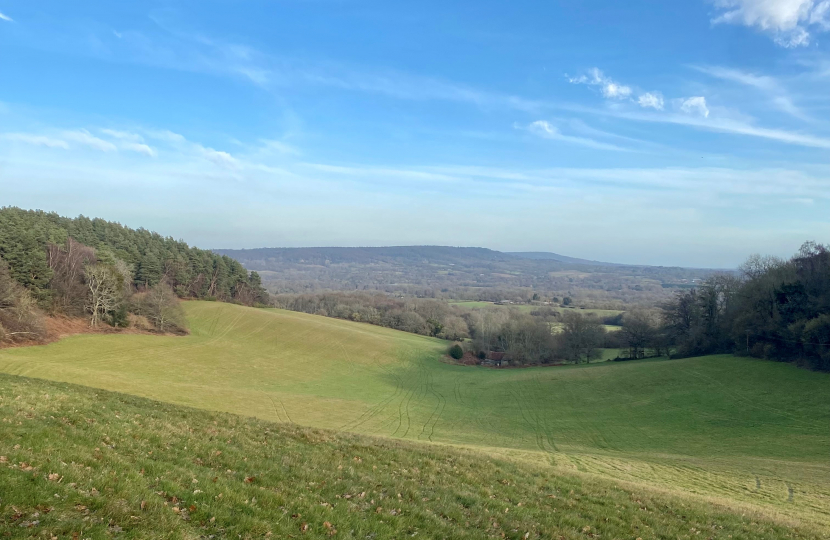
pixel 456 351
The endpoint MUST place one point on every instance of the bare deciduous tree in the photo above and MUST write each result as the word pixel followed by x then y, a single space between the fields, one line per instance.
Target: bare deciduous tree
pixel 580 336
pixel 67 284
pixel 163 309
pixel 638 332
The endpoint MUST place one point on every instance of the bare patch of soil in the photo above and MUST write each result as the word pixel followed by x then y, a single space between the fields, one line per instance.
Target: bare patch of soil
pixel 60 326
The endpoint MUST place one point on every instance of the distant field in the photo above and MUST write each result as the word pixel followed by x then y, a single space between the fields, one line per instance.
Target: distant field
pixel 527 308
pixel 727 429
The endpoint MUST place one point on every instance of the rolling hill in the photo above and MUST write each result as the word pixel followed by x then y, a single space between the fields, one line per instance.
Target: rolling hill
pixel 738 432
pixel 81 463
pixel 548 256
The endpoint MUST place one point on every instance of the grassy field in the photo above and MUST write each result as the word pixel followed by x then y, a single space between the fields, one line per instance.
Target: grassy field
pixel 81 463
pixel 527 308
pixel 732 431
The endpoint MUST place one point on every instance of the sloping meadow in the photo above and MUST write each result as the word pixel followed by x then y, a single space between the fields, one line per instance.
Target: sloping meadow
pixel 747 434
pixel 81 463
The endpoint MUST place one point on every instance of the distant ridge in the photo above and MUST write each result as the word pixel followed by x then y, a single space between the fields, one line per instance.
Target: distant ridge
pixel 337 255
pixel 433 254
pixel 548 256
pixel 462 271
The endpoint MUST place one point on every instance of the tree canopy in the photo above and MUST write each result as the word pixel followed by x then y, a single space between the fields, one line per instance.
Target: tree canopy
pixel 26 237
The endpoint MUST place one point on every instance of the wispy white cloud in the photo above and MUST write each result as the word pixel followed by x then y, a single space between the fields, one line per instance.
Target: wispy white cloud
pixel 613 90
pixel 821 15
pixel 769 86
pixel 197 53
pixel 546 130
pixel 651 100
pixel 36 140
pixel 610 88
pixel 123 135
pixel 695 105
pixel 788 21
pixel 685 198
pixel 722 125
pixel 6 18
pixel 278 147
pixel 133 142
pixel 218 157
pixel 703 185
pixel 140 148
pixel 85 138
pixel 761 82
pixel 167 136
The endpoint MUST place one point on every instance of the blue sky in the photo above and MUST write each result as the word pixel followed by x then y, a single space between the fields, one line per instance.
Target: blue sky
pixel 677 133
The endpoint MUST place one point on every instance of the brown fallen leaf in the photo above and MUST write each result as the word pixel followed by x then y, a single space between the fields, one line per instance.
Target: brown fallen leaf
pixel 143 505
pixel 304 527
pixel 250 479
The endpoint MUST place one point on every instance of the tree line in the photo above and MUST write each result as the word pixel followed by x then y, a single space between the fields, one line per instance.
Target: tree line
pixel 545 337
pixel 772 308
pixel 423 316
pixel 107 272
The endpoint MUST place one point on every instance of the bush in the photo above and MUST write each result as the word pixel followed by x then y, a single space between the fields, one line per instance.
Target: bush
pixel 161 308
pixel 456 351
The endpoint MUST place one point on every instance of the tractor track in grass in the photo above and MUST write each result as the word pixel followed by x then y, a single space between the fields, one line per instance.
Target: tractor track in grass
pixel 373 411
pixel 588 425
pixel 276 411
pixel 403 409
pixel 544 413
pixel 530 423
pixel 433 419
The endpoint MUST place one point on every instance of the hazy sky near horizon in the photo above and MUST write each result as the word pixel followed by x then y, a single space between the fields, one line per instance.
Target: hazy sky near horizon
pixel 676 133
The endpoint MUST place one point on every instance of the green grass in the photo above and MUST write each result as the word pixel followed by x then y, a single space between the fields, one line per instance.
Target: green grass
pixel 723 429
pixel 81 463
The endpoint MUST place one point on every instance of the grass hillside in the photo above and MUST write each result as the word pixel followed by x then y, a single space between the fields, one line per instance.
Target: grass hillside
pixel 734 431
pixel 81 463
